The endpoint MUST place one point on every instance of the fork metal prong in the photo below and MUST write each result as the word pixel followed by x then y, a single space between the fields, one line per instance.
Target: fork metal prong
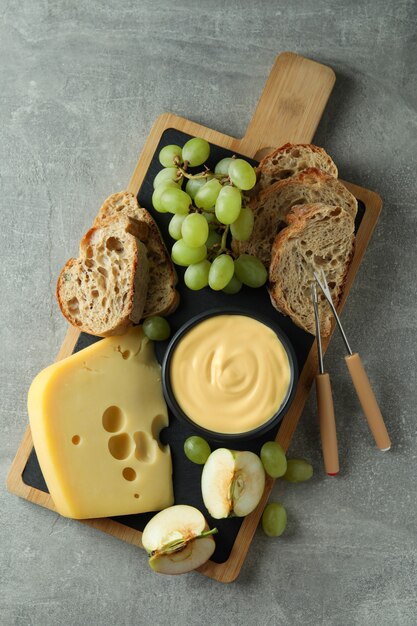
pixel 322 282
pixel 317 319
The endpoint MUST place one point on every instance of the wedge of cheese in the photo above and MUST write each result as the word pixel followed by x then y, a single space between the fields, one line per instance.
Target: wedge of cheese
pixel 95 419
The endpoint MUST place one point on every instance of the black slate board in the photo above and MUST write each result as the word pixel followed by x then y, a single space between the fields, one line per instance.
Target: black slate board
pixel 186 475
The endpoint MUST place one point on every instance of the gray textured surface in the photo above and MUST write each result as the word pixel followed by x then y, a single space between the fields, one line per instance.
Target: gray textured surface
pixel 81 84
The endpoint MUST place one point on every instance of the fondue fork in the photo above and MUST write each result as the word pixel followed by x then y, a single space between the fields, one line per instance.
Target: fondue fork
pixel 325 406
pixel 359 378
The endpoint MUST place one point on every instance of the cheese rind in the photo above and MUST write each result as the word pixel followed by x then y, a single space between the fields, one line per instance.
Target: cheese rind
pixel 95 418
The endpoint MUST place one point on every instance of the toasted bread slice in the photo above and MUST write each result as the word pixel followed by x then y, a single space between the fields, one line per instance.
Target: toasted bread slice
pixel 318 237
pixel 104 291
pixel 162 298
pixel 289 160
pixel 272 205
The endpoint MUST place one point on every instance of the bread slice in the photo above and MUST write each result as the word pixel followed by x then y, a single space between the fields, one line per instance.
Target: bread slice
pixel 104 290
pixel 272 205
pixel 289 160
pixel 162 298
pixel 318 237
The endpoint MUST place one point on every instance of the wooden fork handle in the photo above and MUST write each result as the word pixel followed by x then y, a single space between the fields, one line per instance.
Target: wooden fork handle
pixel 368 401
pixel 327 424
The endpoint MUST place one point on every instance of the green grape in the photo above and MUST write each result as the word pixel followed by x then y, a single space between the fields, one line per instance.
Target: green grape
pixel 273 459
pixel 206 196
pixel 196 275
pixel 221 272
pixel 274 519
pixel 174 227
pixel 169 173
pixel 250 271
pixel 298 470
pixel 183 255
pixel 228 204
pixel 196 151
pixel 195 230
pixel 213 238
pixel 222 166
pixel 168 154
pixel 175 201
pixel 210 217
pixel 233 286
pixel 242 228
pixel 197 449
pixel 157 194
pixel 193 185
pixel 242 174
pixel 156 328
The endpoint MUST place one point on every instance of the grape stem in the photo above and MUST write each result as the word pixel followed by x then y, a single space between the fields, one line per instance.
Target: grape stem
pixel 223 247
pixel 202 175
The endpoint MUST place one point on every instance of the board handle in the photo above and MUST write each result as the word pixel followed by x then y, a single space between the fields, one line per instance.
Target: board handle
pixel 290 106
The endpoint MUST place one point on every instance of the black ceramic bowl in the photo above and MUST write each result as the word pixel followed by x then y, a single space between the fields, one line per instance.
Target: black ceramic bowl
pixel 260 430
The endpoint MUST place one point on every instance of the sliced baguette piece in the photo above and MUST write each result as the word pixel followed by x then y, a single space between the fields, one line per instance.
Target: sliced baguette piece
pixel 103 292
pixel 289 160
pixel 318 237
pixel 272 205
pixel 162 298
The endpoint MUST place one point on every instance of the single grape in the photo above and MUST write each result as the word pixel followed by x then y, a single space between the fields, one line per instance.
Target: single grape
pixel 157 194
pixel 156 328
pixel 206 196
pixel 196 151
pixel 169 173
pixel 222 166
pixel 168 154
pixel 196 275
pixel 228 204
pixel 242 174
pixel 242 228
pixel 175 201
pixel 273 459
pixel 250 271
pixel 174 227
pixel 195 230
pixel 274 519
pixel 233 286
pixel 210 217
pixel 193 185
pixel 183 255
pixel 221 272
pixel 213 238
pixel 197 450
pixel 298 470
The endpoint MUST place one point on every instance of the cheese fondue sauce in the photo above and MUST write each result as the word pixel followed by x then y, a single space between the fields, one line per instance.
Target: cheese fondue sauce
pixel 230 373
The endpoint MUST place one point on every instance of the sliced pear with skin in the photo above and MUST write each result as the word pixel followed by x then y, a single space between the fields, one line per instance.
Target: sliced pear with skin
pixel 232 483
pixel 178 540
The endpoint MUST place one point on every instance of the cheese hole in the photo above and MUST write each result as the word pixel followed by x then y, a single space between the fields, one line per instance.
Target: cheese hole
pixel 120 446
pixel 136 495
pixel 113 419
pixel 76 440
pixel 129 473
pixel 158 423
pixel 126 354
pixel 145 447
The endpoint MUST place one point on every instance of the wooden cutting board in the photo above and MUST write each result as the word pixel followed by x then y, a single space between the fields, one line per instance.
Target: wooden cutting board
pixel 289 110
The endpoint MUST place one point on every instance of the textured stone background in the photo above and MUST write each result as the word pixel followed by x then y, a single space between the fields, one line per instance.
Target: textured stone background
pixel 80 85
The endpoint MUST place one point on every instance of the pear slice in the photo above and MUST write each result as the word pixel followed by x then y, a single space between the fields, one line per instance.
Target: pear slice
pixel 232 483
pixel 178 540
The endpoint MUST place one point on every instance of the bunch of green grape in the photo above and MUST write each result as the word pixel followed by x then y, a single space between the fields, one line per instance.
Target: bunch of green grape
pixel 212 205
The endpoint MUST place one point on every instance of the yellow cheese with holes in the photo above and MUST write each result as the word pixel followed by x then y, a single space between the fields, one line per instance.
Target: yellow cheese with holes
pixel 95 419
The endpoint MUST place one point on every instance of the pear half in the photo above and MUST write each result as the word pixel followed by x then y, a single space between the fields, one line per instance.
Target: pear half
pixel 232 483
pixel 178 540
